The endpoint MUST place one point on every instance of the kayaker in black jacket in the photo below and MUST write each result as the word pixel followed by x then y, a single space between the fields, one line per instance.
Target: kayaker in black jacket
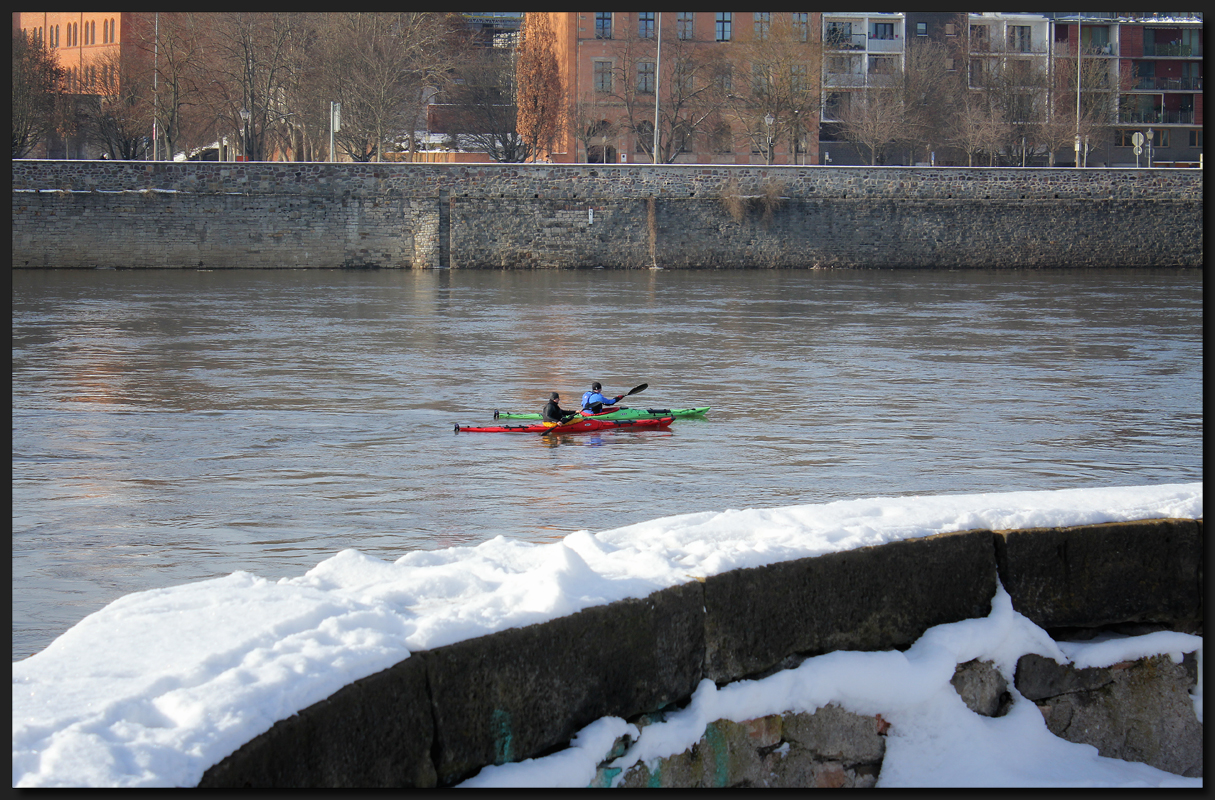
pixel 553 412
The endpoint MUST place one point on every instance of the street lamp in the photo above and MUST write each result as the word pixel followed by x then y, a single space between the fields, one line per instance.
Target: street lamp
pixel 1150 138
pixel 244 136
pixel 769 120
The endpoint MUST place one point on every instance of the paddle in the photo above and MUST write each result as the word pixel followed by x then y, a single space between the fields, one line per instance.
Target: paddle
pixel 632 391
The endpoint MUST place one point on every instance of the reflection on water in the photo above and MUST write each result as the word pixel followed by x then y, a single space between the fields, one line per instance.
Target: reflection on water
pixel 176 426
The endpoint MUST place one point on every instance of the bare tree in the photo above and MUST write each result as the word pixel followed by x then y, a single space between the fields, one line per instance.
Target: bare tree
pixel 875 118
pixel 481 105
pixel 1100 84
pixel 781 67
pixel 38 96
pixel 932 94
pixel 978 130
pixel 170 48
pixel 541 115
pixel 248 61
pixel 594 122
pixel 120 109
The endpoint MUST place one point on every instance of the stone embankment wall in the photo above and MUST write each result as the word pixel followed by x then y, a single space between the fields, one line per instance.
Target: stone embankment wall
pixel 113 214
pixel 440 716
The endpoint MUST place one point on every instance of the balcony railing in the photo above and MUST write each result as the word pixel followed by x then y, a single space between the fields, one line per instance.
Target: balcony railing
pixel 835 40
pixel 885 45
pixel 1168 84
pixel 1156 117
pixel 1170 50
pixel 844 80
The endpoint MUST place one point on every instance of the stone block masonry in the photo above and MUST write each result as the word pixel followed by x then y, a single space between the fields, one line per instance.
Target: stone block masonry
pixel 439 716
pixel 215 215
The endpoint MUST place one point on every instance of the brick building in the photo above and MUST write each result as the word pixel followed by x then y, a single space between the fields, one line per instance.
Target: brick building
pixel 88 45
pixel 705 80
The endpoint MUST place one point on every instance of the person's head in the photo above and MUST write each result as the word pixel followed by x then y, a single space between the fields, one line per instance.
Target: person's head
pixel 554 397
pixel 596 386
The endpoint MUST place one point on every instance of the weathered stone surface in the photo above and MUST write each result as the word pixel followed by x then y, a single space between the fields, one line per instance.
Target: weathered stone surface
pixel 511 695
pixel 831 748
pixel 982 688
pixel 874 598
pixel 1096 575
pixel 73 214
pixel 374 732
pixel 1136 710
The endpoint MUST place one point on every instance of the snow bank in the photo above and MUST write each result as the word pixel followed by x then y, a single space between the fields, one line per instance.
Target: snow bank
pixel 159 685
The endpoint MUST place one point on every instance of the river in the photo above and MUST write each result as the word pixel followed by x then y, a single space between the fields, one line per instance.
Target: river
pixel 172 426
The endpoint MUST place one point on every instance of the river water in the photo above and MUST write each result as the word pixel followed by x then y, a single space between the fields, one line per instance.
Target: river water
pixel 171 426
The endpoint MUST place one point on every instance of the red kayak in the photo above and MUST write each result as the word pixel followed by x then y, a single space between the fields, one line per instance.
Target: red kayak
pixel 582 425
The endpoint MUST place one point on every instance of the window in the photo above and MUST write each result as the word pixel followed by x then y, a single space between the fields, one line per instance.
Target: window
pixel 1196 137
pixel 951 29
pixel 763 23
pixel 881 30
pixel 645 24
pixel 1019 38
pixel 839 34
pixel 683 78
pixel 921 29
pixel 799 78
pixel 603 76
pixel 684 24
pixel 761 80
pixel 1020 69
pixel 881 65
pixel 801 25
pixel 725 78
pixel 722 139
pixel 978 37
pixel 1123 137
pixel 645 77
pixel 645 136
pixel 603 24
pixel 978 71
pixel 725 21
pixel 951 64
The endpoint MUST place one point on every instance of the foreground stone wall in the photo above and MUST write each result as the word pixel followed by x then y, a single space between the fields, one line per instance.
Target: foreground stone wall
pixel 113 214
pixel 438 717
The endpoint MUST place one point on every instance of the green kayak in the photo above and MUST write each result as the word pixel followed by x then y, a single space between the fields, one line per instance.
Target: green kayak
pixel 620 413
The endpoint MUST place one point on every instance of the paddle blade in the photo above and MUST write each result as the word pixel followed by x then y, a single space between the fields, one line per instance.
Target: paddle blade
pixel 637 389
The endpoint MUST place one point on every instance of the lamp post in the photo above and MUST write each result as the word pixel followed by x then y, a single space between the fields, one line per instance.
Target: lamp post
pixel 1150 138
pixel 657 73
pixel 244 134
pixel 768 121
pixel 797 133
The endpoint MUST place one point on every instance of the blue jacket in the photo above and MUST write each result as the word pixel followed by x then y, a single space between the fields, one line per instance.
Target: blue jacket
pixel 590 399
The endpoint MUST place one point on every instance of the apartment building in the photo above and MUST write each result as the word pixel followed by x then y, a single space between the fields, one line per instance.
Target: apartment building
pixel 715 99
pixel 1156 61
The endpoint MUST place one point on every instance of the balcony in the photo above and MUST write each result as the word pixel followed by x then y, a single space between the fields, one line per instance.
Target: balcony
pixel 1182 50
pixel 835 40
pixel 1168 84
pixel 844 80
pixel 1156 117
pixel 885 45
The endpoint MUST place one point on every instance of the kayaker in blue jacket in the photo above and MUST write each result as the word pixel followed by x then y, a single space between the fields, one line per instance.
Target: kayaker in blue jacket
pixel 594 401
pixel 553 413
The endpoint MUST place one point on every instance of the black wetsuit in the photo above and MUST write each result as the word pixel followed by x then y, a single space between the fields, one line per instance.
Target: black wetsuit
pixel 553 412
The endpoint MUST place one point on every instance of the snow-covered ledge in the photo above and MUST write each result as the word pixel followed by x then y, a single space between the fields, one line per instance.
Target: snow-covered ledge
pixel 429 670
